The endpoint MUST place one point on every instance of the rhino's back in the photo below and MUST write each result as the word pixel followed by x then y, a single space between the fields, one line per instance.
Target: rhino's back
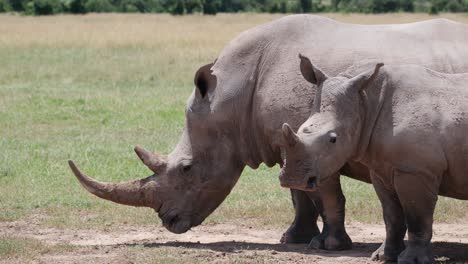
pixel 268 55
pixel 438 44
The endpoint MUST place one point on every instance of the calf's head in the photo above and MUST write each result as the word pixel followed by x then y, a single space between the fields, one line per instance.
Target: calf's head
pixel 192 181
pixel 330 136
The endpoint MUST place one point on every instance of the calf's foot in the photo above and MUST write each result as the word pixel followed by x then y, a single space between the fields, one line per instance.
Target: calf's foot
pixel 416 255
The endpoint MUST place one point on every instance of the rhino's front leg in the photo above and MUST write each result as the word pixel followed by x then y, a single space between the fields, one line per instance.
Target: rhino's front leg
pixel 418 196
pixel 333 236
pixel 395 225
pixel 304 226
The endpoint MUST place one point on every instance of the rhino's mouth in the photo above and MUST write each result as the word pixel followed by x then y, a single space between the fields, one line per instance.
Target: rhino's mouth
pixel 176 223
pixel 179 223
pixel 287 181
pixel 309 184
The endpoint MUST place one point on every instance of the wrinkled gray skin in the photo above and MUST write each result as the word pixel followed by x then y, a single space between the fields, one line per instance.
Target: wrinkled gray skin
pixel 408 125
pixel 235 113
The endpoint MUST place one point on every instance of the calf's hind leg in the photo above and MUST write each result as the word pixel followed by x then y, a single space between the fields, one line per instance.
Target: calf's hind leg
pixel 418 197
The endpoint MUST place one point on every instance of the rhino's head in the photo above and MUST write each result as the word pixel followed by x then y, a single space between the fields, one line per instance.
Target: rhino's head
pixel 192 181
pixel 330 136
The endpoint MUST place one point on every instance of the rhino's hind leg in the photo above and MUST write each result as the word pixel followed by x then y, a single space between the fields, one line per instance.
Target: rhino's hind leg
pixel 333 236
pixel 331 240
pixel 395 225
pixel 304 226
pixel 418 205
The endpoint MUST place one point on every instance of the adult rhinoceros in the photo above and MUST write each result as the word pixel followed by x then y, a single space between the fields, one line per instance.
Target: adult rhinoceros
pixel 235 113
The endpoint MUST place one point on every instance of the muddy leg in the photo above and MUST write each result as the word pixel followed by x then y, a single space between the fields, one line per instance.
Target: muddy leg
pixel 304 226
pixel 394 218
pixel 333 236
pixel 418 197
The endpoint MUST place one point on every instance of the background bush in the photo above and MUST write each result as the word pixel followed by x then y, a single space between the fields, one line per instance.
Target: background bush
pixel 44 7
pixel 211 7
pixel 99 6
pixel 4 6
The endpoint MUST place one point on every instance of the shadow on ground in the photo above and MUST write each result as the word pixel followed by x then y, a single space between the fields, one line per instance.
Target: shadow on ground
pixel 359 249
pixel 445 252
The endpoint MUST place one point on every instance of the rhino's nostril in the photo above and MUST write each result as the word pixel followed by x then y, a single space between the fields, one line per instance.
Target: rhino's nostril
pixel 173 220
pixel 312 182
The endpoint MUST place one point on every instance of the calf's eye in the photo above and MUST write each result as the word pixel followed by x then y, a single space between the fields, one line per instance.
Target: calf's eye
pixel 332 137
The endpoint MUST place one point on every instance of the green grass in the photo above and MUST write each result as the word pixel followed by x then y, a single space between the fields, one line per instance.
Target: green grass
pixel 89 88
pixel 12 247
pixel 23 250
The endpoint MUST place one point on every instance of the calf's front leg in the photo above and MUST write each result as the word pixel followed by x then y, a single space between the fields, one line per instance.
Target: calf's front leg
pixel 418 196
pixel 394 219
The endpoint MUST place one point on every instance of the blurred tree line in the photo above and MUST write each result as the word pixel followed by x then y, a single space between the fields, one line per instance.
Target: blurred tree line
pixel 211 7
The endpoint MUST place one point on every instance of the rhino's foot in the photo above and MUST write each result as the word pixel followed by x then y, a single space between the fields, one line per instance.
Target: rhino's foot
pixel 390 256
pixel 416 255
pixel 338 241
pixel 292 236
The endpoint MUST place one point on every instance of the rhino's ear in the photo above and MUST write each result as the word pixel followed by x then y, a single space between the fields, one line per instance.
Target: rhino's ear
pixel 289 136
pixel 204 80
pixel 363 80
pixel 311 73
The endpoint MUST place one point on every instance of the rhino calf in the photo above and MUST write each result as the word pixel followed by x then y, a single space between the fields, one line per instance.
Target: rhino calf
pixel 407 124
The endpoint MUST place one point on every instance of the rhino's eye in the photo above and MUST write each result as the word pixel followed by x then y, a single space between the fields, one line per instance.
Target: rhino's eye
pixel 185 165
pixel 187 168
pixel 332 137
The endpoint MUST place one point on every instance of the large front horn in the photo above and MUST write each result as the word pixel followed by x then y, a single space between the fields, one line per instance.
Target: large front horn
pixel 153 161
pixel 136 193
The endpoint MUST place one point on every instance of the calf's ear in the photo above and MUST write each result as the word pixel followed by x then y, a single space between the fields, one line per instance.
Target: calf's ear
pixel 363 80
pixel 204 80
pixel 311 73
pixel 289 136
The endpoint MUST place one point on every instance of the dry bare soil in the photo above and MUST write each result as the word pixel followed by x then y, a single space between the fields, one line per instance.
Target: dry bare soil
pixel 220 243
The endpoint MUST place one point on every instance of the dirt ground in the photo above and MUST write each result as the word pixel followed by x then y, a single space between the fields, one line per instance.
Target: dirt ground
pixel 222 243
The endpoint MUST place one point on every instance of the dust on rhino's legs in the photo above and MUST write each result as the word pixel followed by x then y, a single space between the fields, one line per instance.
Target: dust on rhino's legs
pixel 418 197
pixel 334 236
pixel 394 221
pixel 304 226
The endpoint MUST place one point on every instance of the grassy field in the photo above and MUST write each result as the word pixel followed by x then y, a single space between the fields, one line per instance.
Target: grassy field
pixel 89 88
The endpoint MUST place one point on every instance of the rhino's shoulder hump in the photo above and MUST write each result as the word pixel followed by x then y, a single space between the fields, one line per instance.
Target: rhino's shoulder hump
pixel 287 27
